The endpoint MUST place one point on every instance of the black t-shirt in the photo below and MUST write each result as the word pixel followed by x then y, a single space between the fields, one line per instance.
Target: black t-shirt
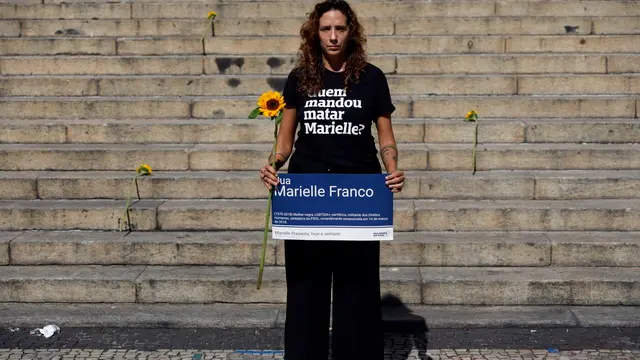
pixel 335 125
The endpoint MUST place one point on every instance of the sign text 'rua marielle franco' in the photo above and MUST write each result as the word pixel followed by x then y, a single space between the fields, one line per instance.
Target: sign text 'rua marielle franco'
pixel 332 207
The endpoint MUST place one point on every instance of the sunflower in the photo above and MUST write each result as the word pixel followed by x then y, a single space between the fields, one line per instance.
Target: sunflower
pixel 473 116
pixel 144 169
pixel 270 103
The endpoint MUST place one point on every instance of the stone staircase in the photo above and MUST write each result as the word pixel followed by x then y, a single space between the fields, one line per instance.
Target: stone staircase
pixel 546 232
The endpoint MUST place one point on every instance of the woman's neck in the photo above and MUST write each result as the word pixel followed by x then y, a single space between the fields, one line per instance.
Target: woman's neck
pixel 335 64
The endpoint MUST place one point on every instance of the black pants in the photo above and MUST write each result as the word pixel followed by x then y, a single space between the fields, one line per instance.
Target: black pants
pixel 354 269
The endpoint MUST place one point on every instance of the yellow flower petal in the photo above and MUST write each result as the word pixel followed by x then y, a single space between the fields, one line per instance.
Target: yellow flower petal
pixel 211 14
pixel 271 103
pixel 471 115
pixel 144 169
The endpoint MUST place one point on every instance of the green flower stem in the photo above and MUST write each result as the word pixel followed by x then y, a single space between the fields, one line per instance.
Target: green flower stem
pixel 209 26
pixel 475 143
pixel 268 211
pixel 125 216
pixel 135 180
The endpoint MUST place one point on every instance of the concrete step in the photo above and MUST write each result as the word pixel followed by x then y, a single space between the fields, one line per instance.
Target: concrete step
pixel 161 65
pixel 58 9
pixel 616 25
pixel 180 27
pixel 80 215
pixel 398 10
pixel 578 131
pixel 584 85
pixel 453 44
pixel 518 215
pixel 541 63
pixel 527 106
pixel 531 286
pixel 252 156
pixel 223 131
pixel 571 44
pixel 9 28
pixel 584 185
pixel 535 156
pixel 216 131
pixel 396 44
pixel 48 86
pixel 291 26
pixel 96 157
pixel 97 107
pixel 140 248
pixel 300 9
pixel 160 157
pixel 181 316
pixel 245 215
pixel 566 8
pixel 108 215
pixel 244 85
pixel 223 85
pixel 446 185
pixel 18 185
pixel 524 130
pixel 187 10
pixel 105 65
pixel 516 25
pixel 65 11
pixel 412 285
pixel 5 239
pixel 623 63
pixel 289 44
pixel 463 249
pixel 238 107
pixel 282 64
pixel 57 46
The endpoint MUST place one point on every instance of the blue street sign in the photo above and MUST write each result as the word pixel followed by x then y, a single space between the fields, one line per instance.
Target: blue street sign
pixel 332 207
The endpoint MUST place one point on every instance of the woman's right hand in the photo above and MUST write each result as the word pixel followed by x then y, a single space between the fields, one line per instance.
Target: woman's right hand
pixel 268 176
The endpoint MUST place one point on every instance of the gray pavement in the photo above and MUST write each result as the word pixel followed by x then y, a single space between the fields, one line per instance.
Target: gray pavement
pixel 227 331
pixel 185 354
pixel 272 315
pixel 401 343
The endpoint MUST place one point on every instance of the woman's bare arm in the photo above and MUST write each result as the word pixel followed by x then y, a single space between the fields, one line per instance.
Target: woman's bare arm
pixel 387 141
pixel 286 134
pixel 284 147
pixel 389 153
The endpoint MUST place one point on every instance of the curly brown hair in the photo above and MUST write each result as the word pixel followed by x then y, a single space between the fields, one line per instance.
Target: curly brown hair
pixel 309 66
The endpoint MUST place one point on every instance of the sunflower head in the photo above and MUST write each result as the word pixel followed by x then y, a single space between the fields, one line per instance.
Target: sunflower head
pixel 471 116
pixel 271 103
pixel 144 169
pixel 211 15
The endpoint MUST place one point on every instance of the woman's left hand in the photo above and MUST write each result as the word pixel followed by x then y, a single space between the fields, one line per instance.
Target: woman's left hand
pixel 395 181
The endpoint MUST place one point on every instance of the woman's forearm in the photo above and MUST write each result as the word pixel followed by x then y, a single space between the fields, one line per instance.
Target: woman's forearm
pixel 283 151
pixel 285 138
pixel 389 155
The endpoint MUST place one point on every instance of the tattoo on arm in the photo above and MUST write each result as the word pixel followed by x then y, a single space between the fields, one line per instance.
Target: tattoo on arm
pixel 280 160
pixel 389 149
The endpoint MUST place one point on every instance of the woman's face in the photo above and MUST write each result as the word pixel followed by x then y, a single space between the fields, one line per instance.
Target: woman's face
pixel 333 32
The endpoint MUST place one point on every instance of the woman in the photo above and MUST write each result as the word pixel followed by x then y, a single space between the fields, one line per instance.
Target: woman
pixel 335 95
